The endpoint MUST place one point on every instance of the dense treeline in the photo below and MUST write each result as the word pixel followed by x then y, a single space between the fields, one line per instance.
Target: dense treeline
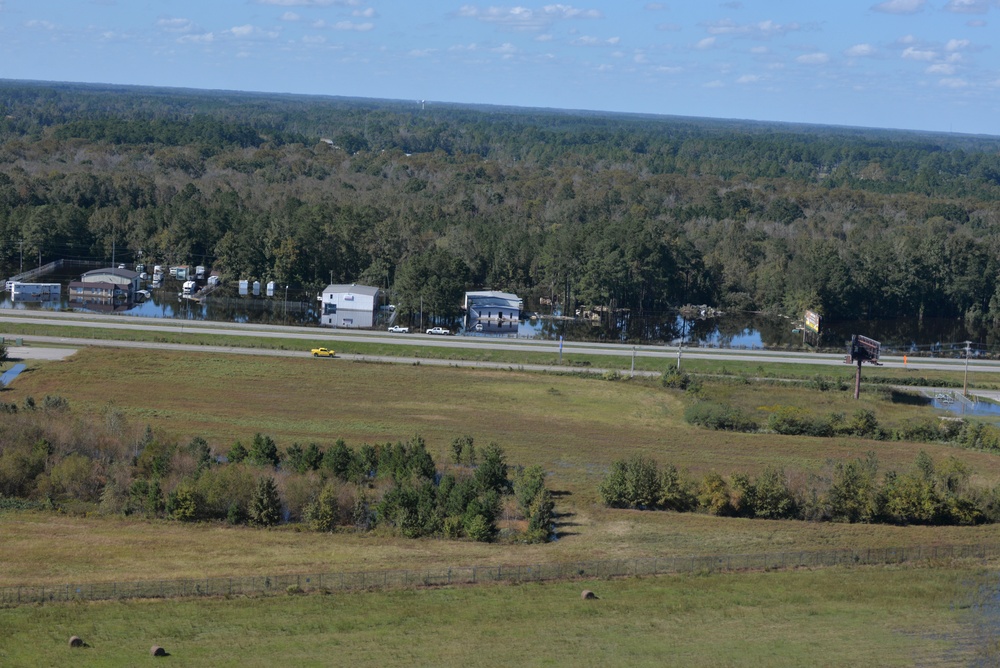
pixel 622 211
pixel 51 457
pixel 856 491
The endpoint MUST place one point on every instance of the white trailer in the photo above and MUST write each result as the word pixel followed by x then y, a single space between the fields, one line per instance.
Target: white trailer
pixel 34 292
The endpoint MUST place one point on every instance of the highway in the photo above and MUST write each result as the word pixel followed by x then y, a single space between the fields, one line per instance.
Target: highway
pixel 123 323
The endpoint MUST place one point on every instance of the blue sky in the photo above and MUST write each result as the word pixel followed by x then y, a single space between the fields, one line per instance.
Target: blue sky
pixel 913 64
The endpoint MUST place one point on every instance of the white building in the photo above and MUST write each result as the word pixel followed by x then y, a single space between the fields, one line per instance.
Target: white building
pixel 348 306
pixel 126 278
pixel 34 292
pixel 492 311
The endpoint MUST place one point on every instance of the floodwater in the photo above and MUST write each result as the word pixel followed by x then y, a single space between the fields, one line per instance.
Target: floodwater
pixel 741 330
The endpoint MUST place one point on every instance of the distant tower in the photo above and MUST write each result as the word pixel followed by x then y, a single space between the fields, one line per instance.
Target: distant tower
pixel 423 104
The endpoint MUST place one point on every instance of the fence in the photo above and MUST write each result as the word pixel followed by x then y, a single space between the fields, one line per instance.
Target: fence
pixel 53 266
pixel 469 575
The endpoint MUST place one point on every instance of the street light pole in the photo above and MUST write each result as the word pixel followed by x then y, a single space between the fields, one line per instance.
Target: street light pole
pixel 286 304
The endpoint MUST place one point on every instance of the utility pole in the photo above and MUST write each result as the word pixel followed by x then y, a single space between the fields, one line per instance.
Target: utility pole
pixel 965 387
pixel 633 361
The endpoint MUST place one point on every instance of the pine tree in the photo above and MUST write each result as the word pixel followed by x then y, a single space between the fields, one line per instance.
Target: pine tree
pixel 265 506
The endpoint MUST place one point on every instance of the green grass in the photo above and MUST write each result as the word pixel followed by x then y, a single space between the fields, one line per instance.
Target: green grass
pixel 623 362
pixel 833 617
pixel 573 426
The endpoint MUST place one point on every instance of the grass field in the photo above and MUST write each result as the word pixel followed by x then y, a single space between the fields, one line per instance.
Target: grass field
pixel 514 358
pixel 834 617
pixel 574 427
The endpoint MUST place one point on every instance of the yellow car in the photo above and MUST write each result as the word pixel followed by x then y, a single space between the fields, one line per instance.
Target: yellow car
pixel 323 352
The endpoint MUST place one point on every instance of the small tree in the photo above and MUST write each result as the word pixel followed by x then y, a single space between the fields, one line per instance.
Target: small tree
pixel 265 506
pixel 237 454
pixel 492 473
pixel 263 451
pixel 3 354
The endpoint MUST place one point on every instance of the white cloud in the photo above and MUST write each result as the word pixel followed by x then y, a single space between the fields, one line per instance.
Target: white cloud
pixel 976 23
pixel 941 68
pixel 860 51
pixel 35 23
pixel 668 27
pixel 242 31
pixel 759 30
pixel 953 83
pixel 654 6
pixel 748 79
pixel 313 39
pixel 344 25
pixel 290 16
pixel 544 38
pixel 669 69
pixel 203 38
pixel 900 6
pixel 912 53
pixel 713 84
pixel 587 40
pixel 706 43
pixel 968 6
pixel 524 18
pixel 176 25
pixel 422 53
pixel 505 48
pixel 818 58
pixel 368 13
pixel 605 68
pixel 957 44
pixel 310 3
pixel 760 50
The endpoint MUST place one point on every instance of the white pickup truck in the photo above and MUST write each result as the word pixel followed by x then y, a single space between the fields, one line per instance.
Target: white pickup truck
pixel 396 329
pixel 439 330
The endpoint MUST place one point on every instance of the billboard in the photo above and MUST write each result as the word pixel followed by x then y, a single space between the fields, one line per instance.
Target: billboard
pixel 811 319
pixel 864 349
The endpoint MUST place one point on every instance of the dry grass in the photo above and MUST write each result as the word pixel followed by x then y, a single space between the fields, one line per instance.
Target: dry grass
pixel 574 427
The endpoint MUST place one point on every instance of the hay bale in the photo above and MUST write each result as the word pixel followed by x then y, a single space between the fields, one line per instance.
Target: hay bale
pixel 586 594
pixel 75 641
pixel 156 650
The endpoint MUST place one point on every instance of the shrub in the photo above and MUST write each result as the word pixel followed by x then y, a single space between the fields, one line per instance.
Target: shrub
pixel 714 495
pixel 675 379
pixel 676 493
pixel 855 495
pixel 632 483
pixel 791 421
pixel 479 529
pixel 766 497
pixel 719 417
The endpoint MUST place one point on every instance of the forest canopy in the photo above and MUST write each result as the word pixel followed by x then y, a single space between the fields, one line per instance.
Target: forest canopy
pixel 621 211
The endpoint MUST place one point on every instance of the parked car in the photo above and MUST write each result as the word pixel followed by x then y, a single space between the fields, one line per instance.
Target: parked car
pixel 322 352
pixel 396 329
pixel 439 330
